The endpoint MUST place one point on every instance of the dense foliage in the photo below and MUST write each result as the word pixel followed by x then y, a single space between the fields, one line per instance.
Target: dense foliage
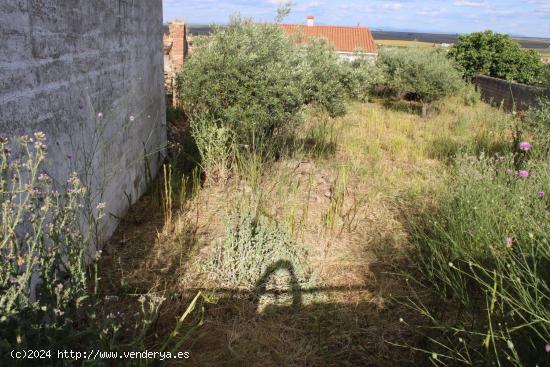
pixel 360 77
pixel 244 86
pixel 244 78
pixel 320 73
pixel 496 55
pixel 424 74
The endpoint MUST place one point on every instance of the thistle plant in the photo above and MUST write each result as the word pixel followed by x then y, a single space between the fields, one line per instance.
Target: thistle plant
pixel 42 247
pixel 486 248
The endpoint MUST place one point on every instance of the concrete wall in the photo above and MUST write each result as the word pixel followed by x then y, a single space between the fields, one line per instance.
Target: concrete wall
pixel 511 95
pixel 89 74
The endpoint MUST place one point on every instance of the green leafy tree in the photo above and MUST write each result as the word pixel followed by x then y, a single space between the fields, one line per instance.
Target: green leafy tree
pixel 496 55
pixel 321 72
pixel 244 79
pixel 359 77
pixel 424 74
pixel 244 85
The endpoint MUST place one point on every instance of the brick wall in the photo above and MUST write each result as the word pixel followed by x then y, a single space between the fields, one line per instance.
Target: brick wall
pixel 175 51
pixel 511 95
pixel 62 62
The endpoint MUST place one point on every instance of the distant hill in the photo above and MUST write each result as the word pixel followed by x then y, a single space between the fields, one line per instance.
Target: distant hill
pixel 527 42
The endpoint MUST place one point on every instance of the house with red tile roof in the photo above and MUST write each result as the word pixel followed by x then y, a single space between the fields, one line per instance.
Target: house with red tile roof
pixel 348 41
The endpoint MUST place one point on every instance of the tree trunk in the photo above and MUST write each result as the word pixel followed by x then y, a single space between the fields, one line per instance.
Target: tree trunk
pixel 424 109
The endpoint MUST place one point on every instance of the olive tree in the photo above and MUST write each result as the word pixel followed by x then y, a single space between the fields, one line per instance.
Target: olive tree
pixel 424 74
pixel 360 76
pixel 321 72
pixel 241 85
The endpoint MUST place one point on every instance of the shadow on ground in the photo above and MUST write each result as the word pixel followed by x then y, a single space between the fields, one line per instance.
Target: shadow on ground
pixel 274 327
pixel 290 325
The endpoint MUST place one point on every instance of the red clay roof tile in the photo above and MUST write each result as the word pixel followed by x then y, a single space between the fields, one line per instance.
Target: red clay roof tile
pixel 345 39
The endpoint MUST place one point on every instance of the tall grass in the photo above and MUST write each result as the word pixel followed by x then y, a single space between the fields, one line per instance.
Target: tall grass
pixel 484 247
pixel 48 272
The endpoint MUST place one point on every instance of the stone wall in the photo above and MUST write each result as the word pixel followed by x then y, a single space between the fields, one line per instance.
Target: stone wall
pixel 89 74
pixel 508 94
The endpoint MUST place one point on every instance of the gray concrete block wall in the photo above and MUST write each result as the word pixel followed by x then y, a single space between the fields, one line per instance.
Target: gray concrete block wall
pixel 62 62
pixel 511 95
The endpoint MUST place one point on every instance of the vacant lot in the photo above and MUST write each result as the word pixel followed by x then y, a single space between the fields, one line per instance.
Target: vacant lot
pixel 344 199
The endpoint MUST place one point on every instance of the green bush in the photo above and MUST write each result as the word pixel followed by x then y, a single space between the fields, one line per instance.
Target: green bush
pixel 424 74
pixel 252 246
pixel 321 72
pixel 496 55
pixel 244 78
pixel 360 77
pixel 486 248
pixel 536 126
pixel 243 88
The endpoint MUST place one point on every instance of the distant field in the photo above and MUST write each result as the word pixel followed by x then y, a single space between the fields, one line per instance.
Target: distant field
pixel 402 43
pixel 379 36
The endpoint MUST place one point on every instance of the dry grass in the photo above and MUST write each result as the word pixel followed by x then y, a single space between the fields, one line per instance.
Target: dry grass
pixel 344 208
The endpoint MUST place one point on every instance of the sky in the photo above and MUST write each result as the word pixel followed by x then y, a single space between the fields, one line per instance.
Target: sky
pixel 519 17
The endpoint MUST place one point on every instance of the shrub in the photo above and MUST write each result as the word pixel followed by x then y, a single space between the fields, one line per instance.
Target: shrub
pixel 245 79
pixel 496 55
pixel 470 95
pixel 360 77
pixel 536 126
pixel 46 299
pixel 321 73
pixel 543 82
pixel 41 244
pixel 424 74
pixel 252 246
pixel 486 247
pixel 216 145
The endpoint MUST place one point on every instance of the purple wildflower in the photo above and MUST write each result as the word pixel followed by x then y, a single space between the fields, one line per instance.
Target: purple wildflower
pixel 509 241
pixel 132 118
pixel 525 146
pixel 541 194
pixel 523 174
pixel 100 206
pixel 100 114
pixel 43 177
pixel 547 347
